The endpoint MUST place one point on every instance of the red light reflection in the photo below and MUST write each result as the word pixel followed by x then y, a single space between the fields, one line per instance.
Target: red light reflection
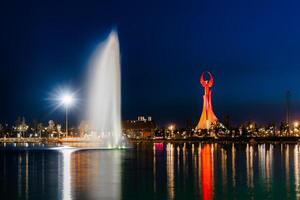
pixel 159 146
pixel 206 173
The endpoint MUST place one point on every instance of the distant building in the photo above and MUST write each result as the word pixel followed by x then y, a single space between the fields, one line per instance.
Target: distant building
pixel 21 127
pixel 83 128
pixel 140 128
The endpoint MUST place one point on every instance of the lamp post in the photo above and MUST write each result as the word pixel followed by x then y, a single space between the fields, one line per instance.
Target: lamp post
pixel 67 100
pixel 66 120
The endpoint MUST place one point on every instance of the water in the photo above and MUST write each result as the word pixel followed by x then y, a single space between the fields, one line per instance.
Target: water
pixel 153 171
pixel 104 93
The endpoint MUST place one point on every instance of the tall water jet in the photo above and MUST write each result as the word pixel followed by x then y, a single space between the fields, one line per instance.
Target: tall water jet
pixel 104 92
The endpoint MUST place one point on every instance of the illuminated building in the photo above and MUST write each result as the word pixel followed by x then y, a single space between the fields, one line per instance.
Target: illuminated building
pixel 207 117
pixel 141 128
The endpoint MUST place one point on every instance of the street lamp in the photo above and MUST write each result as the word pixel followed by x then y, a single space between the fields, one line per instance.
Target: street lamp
pixel 171 128
pixel 296 127
pixel 67 100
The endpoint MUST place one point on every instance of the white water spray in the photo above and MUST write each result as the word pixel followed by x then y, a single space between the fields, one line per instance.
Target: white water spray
pixel 104 93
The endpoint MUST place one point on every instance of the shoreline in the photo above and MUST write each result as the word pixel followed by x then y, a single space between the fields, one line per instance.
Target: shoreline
pixel 204 139
pixel 223 140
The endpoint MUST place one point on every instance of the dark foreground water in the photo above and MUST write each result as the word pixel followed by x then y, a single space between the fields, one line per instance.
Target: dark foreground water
pixel 153 171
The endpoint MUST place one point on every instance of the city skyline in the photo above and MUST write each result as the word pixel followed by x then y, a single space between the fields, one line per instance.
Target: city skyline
pixel 149 99
pixel 163 52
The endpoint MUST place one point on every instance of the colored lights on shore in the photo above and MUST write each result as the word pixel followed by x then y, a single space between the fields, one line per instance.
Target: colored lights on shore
pixel 296 124
pixel 171 127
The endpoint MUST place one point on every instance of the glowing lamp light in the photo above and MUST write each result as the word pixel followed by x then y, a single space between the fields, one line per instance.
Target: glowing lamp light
pixel 67 99
pixel 171 127
pixel 296 124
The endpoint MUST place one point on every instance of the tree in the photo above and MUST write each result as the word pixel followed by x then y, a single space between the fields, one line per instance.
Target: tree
pixel 2 130
pixel 21 126
pixel 51 127
pixel 40 129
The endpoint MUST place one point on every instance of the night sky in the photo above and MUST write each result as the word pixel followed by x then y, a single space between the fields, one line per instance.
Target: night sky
pixel 251 47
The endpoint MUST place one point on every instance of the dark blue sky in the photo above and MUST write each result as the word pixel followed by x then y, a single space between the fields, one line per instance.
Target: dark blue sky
pixel 251 47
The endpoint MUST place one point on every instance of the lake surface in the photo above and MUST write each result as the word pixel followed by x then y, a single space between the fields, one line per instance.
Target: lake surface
pixel 152 171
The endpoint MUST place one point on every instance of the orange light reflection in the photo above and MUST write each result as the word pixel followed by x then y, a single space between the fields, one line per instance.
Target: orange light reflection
pixel 206 173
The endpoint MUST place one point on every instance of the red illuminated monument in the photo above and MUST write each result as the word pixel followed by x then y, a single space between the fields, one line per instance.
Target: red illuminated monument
pixel 208 116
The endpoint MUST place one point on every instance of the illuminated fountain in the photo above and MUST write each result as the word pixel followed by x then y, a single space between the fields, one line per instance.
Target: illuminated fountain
pixel 104 93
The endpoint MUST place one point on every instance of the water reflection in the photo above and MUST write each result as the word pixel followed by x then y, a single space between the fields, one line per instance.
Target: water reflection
pixel 287 167
pixel 66 191
pixel 170 170
pixel 154 171
pixel 224 168
pixel 20 176
pixel 269 167
pixel 207 172
pixel 249 165
pixel 60 174
pixel 26 175
pixel 233 160
pixel 296 171
pixel 93 175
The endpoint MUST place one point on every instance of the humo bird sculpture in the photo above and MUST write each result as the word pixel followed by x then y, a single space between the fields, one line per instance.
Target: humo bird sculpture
pixel 208 116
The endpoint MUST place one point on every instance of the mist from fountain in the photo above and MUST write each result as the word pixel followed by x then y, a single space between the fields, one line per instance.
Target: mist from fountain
pixel 104 93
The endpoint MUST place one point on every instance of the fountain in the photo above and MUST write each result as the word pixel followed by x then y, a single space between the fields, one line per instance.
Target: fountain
pixel 104 93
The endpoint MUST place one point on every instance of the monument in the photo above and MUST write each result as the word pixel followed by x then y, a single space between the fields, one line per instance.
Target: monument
pixel 208 116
